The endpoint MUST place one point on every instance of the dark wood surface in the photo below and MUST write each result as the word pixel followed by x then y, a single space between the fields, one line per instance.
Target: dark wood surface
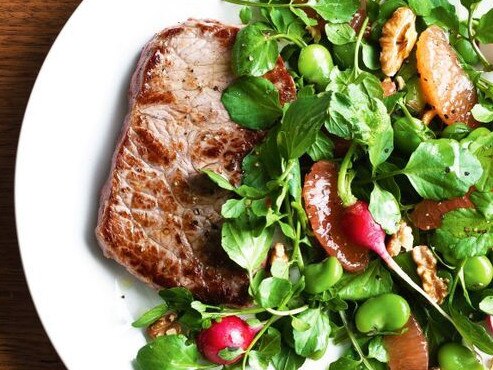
pixel 27 30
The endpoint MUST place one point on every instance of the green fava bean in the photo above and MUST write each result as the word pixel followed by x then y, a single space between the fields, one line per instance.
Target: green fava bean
pixel 478 272
pixel 457 131
pixel 315 64
pixel 387 312
pixel 453 356
pixel 409 133
pixel 414 98
pixel 465 49
pixel 321 276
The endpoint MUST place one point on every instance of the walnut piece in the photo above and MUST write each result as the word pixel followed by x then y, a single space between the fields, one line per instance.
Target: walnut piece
pixel 435 286
pixel 278 253
pixel 398 39
pixel 166 325
pixel 402 239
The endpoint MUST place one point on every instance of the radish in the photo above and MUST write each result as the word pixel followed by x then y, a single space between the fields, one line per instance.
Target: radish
pixel 361 229
pixel 230 335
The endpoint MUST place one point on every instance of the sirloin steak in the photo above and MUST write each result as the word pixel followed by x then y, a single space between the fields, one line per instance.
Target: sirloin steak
pixel 159 216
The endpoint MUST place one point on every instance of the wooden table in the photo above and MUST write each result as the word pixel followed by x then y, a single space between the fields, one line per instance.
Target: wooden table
pixel 27 30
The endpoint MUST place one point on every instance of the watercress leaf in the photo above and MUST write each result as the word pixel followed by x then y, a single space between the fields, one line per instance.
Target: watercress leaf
pixel 473 333
pixel 469 3
pixel 260 207
pixel 346 363
pixel 391 101
pixel 254 52
pixel 250 192
pixel 445 16
pixel 381 138
pixel 245 243
pixel 482 148
pixel 294 181
pixel 177 299
pixel 441 169
pixel 252 102
pixel 300 124
pixel 150 316
pixel 219 180
pixel 287 230
pixel 424 7
pixel 306 90
pixel 482 113
pixel 280 269
pixel 336 11
pixel 377 350
pixel 287 359
pixel 322 148
pixel 308 21
pixel 483 203
pixel 464 233
pixel 233 208
pixel 340 33
pixel 484 31
pixel 269 346
pixel 272 292
pixel 340 121
pixel 375 280
pixel 486 305
pixel 230 354
pixel 169 352
pixel 370 56
pixel 288 23
pixel 246 15
pixel 316 338
pixel 263 163
pixel 385 209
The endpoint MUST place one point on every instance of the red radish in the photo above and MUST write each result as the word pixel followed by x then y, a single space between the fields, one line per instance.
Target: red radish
pixel 231 333
pixel 361 229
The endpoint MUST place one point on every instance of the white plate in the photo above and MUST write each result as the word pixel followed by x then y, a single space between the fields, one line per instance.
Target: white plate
pixel 86 303
pixel 69 132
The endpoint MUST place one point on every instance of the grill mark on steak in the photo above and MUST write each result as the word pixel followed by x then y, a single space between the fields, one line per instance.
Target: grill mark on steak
pixel 159 215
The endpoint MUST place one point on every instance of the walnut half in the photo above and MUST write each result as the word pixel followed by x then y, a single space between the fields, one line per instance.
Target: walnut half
pixel 166 325
pixel 435 286
pixel 398 39
pixel 403 238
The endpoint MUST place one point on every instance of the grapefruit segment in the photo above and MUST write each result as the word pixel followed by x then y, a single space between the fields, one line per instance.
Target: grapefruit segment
pixel 324 209
pixel 428 214
pixel 445 85
pixel 409 350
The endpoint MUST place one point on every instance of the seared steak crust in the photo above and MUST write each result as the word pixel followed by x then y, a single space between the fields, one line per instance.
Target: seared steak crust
pixel 159 216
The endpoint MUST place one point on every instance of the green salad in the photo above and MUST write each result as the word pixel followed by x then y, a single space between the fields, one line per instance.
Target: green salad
pixel 364 219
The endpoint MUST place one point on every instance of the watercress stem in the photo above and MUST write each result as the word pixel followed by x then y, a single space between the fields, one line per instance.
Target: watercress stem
pixel 294 311
pixel 472 39
pixel 286 172
pixel 343 185
pixel 353 340
pixel 300 43
pixel 357 70
pixel 246 311
pixel 403 107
